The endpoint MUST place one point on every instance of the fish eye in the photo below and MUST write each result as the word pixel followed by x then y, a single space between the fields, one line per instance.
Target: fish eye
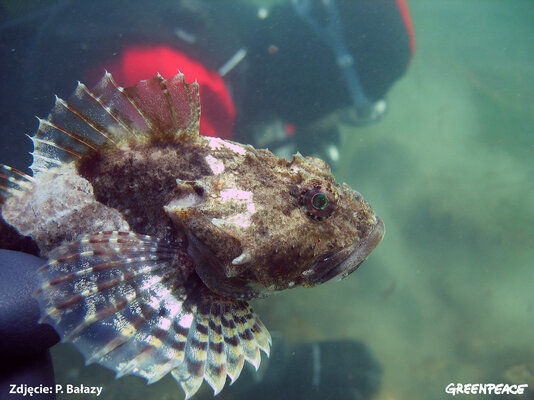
pixel 319 203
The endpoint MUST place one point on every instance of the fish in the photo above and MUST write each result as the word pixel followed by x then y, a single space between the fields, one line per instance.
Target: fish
pixel 156 238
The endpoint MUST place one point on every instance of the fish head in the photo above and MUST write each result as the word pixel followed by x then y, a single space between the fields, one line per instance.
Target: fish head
pixel 260 223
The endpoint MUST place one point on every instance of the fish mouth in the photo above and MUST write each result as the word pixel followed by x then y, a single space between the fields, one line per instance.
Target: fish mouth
pixel 343 263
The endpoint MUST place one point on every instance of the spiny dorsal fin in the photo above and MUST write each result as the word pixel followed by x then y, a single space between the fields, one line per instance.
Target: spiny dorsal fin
pixel 109 115
pixel 11 181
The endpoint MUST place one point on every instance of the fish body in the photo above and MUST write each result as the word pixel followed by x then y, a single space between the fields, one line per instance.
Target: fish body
pixel 156 237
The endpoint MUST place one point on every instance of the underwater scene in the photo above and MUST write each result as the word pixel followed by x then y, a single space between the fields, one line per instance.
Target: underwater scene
pixel 391 258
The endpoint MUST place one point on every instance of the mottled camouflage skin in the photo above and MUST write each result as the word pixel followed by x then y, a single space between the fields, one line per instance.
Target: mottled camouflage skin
pixel 264 220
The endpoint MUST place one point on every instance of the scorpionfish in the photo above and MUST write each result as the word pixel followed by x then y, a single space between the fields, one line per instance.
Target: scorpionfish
pixel 156 238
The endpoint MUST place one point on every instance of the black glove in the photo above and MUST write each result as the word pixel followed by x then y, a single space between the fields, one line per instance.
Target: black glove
pixel 24 354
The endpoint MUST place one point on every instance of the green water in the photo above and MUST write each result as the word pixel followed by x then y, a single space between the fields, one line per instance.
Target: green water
pixel 449 295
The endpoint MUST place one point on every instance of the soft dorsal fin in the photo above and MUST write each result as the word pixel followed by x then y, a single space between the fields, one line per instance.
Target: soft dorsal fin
pixel 109 115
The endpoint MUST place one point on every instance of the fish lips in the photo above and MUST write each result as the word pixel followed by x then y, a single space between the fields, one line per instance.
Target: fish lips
pixel 341 264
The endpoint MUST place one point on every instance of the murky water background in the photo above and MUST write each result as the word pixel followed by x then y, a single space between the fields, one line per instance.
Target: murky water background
pixel 449 295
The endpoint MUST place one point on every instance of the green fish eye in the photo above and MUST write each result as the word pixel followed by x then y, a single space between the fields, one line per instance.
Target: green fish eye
pixel 320 201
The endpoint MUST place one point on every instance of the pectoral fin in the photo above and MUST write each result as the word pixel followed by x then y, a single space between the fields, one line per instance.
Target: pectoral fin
pixel 134 304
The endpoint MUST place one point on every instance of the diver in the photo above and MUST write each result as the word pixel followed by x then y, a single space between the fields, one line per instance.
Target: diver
pixel 281 77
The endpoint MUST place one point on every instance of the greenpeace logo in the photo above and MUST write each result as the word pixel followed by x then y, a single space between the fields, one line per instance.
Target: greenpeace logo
pixel 484 388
